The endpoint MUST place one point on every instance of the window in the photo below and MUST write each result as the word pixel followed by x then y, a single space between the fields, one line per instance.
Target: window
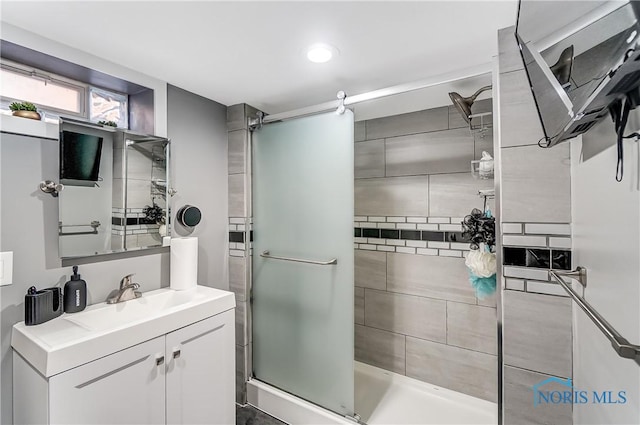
pixel 56 95
pixel 42 90
pixel 108 106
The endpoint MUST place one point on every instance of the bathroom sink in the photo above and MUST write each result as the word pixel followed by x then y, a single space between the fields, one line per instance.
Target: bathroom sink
pixel 122 314
pixel 112 315
pixel 102 329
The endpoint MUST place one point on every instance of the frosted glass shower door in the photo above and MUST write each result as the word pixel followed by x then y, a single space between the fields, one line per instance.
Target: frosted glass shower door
pixel 302 312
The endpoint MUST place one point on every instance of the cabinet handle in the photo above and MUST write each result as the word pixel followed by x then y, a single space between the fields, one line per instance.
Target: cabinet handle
pixel 159 360
pixel 176 353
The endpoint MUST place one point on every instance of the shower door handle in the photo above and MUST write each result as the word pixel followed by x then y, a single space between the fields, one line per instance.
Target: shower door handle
pixel 265 254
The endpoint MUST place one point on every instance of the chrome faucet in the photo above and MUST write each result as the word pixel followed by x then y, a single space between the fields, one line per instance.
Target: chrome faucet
pixel 126 292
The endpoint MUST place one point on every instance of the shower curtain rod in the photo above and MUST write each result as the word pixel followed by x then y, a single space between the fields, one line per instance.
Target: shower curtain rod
pixel 372 95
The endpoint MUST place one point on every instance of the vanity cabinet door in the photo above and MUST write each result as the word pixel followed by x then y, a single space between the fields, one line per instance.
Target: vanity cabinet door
pixel 127 387
pixel 201 372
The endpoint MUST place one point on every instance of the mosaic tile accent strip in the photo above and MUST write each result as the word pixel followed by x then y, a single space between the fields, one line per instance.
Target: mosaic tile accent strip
pixel 528 246
pixel 534 286
pixel 411 235
pixel 409 223
pixel 538 258
pixel 135 221
pixel 240 231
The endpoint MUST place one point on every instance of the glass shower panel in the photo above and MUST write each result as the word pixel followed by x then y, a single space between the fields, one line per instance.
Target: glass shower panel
pixel 303 336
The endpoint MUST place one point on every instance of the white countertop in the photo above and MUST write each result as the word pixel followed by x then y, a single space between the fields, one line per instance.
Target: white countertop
pixel 101 329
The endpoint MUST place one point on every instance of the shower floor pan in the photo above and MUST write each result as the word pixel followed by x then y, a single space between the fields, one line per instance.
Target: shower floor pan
pixel 381 397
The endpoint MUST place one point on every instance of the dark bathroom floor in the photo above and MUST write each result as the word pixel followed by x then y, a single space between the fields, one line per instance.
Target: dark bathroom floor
pixel 249 415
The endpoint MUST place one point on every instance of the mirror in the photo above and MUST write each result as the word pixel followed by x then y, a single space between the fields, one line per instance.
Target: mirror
pixel 116 187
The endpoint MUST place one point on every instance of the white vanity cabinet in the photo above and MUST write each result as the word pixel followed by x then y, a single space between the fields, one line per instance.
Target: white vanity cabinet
pixel 184 376
pixel 201 372
pixel 122 388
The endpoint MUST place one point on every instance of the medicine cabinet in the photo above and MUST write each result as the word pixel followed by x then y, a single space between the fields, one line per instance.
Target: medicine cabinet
pixel 116 190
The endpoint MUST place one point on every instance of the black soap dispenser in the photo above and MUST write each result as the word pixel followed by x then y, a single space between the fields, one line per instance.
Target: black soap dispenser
pixel 75 293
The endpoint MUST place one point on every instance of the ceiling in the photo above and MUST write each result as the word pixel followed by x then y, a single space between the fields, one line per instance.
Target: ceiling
pixel 253 52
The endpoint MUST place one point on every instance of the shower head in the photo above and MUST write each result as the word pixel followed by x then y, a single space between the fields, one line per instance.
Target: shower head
pixel 463 104
pixel 562 69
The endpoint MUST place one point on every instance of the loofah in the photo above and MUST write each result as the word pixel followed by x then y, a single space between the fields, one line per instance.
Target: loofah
pixel 484 286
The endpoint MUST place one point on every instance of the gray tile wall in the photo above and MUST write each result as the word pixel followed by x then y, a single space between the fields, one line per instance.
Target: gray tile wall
pixel 411 123
pixel 239 254
pixel 406 314
pixel 371 269
pixel 369 159
pixel 537 332
pixel 462 370
pixel 472 327
pixel 519 405
pixel 416 313
pixel 451 195
pixel 536 209
pixel 392 196
pixel 396 157
pixel 536 184
pixel 429 276
pixel 383 349
pixel 446 151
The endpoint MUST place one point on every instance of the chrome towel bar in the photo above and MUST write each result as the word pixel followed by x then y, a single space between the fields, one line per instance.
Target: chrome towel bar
pixel 579 274
pixel 94 225
pixel 620 344
pixel 266 254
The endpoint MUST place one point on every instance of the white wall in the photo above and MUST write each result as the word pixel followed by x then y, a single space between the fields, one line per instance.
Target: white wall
pixel 606 240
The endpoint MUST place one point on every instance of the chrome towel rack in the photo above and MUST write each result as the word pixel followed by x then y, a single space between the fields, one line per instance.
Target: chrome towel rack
pixel 94 224
pixel 620 344
pixel 265 254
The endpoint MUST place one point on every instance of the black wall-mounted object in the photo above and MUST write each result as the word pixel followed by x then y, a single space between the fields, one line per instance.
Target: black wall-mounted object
pixel 79 156
pixel 576 78
pixel 189 216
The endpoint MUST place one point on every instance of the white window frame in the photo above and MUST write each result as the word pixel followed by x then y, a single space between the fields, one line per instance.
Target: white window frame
pixel 53 112
pixel 81 88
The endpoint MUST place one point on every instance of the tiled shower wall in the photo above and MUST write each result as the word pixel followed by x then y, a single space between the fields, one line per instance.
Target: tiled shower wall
pixel 239 236
pixel 416 313
pixel 535 214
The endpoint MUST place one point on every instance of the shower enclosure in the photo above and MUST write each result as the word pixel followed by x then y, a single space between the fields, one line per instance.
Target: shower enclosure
pixel 392 332
pixel 302 294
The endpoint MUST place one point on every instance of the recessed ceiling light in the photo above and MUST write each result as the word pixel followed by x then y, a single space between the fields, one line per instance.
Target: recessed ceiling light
pixel 321 53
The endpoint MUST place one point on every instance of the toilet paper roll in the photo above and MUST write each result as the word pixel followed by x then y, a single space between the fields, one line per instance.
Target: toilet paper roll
pixel 184 263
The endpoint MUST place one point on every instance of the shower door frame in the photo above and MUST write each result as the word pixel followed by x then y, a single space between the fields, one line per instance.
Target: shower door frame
pixel 261 119
pixel 497 155
pixel 249 198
